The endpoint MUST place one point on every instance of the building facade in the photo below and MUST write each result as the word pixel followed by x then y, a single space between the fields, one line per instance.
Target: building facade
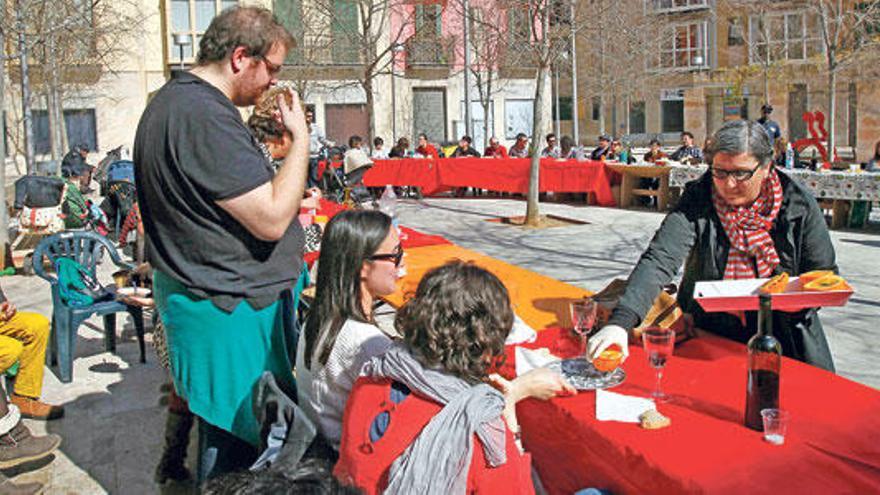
pixel 421 91
pixel 707 61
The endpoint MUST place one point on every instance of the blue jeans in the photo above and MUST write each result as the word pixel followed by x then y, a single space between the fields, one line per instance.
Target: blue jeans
pixel 221 452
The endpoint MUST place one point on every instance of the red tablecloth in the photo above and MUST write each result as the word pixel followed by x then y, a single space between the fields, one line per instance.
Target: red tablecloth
pixel 502 175
pixel 409 238
pixel 833 443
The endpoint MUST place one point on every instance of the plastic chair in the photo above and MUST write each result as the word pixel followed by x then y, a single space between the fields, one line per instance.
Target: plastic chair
pixel 85 248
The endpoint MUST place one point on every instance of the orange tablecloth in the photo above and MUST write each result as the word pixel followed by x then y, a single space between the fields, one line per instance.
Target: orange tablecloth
pixel 833 443
pixel 539 300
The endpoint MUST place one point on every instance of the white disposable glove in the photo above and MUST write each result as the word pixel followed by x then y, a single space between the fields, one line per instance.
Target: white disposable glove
pixel 609 335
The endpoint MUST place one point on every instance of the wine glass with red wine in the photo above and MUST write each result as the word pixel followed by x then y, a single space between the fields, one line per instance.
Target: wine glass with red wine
pixel 658 343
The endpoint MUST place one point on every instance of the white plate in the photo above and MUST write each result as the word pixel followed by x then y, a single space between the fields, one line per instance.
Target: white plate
pixel 134 292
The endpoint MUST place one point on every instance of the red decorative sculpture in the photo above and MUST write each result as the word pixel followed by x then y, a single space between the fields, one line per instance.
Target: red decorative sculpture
pixel 814 119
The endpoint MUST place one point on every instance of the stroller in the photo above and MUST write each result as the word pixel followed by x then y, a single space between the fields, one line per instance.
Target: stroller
pixel 347 188
pixel 38 203
pixel 100 174
pixel 120 191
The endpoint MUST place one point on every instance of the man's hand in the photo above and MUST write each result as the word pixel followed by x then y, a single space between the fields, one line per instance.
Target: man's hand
pixel 293 116
pixel 605 338
pixel 7 311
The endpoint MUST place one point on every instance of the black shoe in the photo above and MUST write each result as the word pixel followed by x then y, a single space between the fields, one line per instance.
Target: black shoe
pixel 20 446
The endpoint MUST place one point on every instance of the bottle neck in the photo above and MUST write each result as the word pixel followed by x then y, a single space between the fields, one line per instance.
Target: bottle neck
pixel 765 316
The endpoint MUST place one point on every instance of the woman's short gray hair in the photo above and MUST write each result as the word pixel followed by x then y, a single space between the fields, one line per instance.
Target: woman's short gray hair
pixel 744 136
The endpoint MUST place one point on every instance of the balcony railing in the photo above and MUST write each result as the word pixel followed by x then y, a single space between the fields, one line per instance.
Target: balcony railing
pixel 429 51
pixel 667 6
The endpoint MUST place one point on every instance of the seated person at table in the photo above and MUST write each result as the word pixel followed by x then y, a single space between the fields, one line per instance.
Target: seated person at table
pixel 566 148
pixel 520 148
pixel 465 149
pixel 495 149
pixel 399 150
pixel 360 261
pixel 601 151
pixel 619 153
pixel 425 148
pixel 355 157
pixel 742 219
pixel 655 154
pixel 422 414
pixel 552 149
pixel 379 152
pixel 688 153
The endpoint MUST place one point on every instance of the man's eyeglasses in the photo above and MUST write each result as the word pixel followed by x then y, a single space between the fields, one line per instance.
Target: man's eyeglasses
pixel 738 175
pixel 271 68
pixel 396 256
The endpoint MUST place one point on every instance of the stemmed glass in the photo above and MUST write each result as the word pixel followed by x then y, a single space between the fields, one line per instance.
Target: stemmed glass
pixel 658 343
pixel 583 317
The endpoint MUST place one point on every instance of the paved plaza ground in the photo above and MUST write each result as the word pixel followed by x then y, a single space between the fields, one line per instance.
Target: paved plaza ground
pixel 114 418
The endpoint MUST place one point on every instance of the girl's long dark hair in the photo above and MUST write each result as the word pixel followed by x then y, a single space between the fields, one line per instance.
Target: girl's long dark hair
pixel 349 241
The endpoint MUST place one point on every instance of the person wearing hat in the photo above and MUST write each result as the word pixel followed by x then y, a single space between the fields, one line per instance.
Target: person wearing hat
pixel 75 206
pixel 770 125
pixel 601 152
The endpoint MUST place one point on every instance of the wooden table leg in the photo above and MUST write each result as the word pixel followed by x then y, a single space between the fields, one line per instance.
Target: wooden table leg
pixel 839 213
pixel 663 193
pixel 626 189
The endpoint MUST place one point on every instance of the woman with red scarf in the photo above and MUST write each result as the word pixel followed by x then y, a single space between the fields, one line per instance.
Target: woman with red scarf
pixel 742 219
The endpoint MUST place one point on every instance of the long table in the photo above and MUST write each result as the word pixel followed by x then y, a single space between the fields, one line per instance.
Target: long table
pixel 509 175
pixel 832 445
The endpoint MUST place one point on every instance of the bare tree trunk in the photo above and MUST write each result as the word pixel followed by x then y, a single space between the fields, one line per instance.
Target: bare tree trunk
pixel 56 120
pixel 27 115
pixel 832 111
pixel 371 111
pixel 532 206
pixel 601 79
pixel 4 233
pixel 487 105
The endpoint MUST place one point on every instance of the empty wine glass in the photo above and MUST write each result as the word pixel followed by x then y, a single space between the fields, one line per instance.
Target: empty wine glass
pixel 658 344
pixel 583 317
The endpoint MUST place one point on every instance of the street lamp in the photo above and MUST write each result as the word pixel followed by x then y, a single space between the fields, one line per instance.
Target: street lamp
pixel 182 40
pixel 395 49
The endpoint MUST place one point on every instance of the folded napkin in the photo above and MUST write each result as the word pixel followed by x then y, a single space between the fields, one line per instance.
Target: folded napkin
pixel 521 333
pixel 528 359
pixel 618 407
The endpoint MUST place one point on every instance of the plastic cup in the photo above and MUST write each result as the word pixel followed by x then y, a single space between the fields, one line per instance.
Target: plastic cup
pixel 775 425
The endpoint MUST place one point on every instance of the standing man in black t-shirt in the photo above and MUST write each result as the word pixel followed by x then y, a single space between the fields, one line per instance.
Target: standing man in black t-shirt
pixel 221 228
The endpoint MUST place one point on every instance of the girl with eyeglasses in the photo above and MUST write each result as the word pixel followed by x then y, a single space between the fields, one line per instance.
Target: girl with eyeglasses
pixel 743 219
pixel 361 258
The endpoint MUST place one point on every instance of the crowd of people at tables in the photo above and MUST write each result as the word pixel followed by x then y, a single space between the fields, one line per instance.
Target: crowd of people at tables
pixel 415 406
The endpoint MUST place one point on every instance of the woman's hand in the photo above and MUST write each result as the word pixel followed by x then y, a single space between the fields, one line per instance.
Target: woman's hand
pixel 605 338
pixel 540 383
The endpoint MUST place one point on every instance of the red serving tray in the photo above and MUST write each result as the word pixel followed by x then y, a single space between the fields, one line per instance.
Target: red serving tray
pixel 742 295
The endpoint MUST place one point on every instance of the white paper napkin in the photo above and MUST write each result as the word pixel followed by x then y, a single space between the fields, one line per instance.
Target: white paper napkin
pixel 618 407
pixel 528 359
pixel 521 333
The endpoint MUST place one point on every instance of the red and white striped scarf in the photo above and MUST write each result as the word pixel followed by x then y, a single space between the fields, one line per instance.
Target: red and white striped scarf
pixel 748 229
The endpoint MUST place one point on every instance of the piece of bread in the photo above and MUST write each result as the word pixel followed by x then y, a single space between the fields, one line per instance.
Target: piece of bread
pixel 653 420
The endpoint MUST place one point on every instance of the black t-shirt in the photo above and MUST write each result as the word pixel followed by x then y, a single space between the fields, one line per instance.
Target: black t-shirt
pixel 459 152
pixel 191 150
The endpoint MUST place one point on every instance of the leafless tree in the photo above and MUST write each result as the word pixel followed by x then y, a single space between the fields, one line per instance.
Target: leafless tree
pixel 64 48
pixel 363 36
